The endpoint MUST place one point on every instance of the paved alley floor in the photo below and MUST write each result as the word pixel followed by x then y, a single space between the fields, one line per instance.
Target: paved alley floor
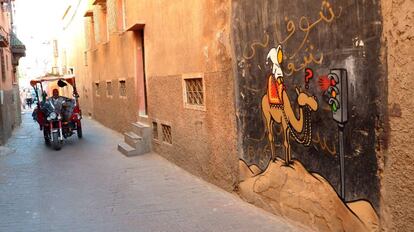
pixel 90 186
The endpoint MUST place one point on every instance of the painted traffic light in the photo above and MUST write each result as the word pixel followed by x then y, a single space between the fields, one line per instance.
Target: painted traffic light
pixel 333 92
pixel 338 94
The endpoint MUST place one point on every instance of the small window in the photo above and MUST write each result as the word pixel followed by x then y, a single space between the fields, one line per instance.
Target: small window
pixel 85 58
pixel 155 130
pixel 193 87
pixel 109 88
pixel 166 133
pixel 97 88
pixel 122 88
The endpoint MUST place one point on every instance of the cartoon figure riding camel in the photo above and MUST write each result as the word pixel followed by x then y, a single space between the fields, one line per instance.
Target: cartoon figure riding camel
pixel 276 108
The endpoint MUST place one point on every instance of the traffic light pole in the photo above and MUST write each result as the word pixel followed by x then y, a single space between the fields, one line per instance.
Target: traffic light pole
pixel 338 101
pixel 342 158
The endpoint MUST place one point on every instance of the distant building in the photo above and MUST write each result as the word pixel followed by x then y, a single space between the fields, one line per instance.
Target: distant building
pixel 11 50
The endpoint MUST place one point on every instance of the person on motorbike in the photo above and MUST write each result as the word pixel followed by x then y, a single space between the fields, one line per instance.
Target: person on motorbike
pixel 61 104
pixel 56 99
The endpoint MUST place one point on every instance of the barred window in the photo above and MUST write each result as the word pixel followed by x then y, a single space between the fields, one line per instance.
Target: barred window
pixel 194 91
pixel 155 130
pixel 122 88
pixel 166 133
pixel 109 88
pixel 97 88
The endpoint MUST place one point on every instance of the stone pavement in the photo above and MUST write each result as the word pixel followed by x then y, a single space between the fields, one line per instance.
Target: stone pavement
pixel 90 186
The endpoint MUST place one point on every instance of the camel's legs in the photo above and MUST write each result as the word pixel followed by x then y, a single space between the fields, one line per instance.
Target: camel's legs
pixel 269 126
pixel 288 154
pixel 286 144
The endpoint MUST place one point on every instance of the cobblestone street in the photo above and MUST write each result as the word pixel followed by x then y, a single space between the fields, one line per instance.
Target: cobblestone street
pixel 89 186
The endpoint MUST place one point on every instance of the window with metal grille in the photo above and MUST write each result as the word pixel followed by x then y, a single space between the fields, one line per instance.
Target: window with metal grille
pixel 109 88
pixel 155 130
pixel 194 92
pixel 166 133
pixel 122 88
pixel 97 88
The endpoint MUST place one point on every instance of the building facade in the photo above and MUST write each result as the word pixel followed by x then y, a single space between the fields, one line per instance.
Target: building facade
pixel 291 104
pixel 11 50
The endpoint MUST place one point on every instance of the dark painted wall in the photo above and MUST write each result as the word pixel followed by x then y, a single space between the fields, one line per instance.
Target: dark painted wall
pixel 348 37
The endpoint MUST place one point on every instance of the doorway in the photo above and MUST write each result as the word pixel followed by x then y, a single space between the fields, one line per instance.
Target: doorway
pixel 140 79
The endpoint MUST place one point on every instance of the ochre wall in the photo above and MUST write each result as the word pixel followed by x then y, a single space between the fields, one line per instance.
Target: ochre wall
pixel 9 118
pixel 113 61
pixel 72 42
pixel 182 38
pixel 398 171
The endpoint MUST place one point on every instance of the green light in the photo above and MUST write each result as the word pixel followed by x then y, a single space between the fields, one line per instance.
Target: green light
pixel 334 107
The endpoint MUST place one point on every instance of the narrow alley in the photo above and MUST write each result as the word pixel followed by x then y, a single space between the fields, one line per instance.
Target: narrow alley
pixel 90 186
pixel 206 115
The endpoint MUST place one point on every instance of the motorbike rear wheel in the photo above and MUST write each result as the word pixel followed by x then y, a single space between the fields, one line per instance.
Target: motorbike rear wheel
pixel 56 144
pixel 79 129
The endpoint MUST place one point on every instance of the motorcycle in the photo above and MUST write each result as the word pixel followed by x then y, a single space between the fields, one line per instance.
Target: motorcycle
pixel 58 117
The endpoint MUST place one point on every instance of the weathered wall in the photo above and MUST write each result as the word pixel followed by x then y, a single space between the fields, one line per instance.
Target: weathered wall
pixel 182 38
pixel 8 110
pixel 72 49
pixel 397 177
pixel 8 114
pixel 114 61
pixel 100 61
pixel 321 36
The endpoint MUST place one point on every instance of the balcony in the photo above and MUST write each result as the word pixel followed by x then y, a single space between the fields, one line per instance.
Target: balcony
pixel 99 2
pixel 88 13
pixel 18 49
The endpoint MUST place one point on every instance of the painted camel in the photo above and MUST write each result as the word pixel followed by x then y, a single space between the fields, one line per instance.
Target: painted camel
pixel 276 108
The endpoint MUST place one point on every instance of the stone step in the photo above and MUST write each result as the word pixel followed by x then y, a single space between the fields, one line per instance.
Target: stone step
pixel 144 119
pixel 141 129
pixel 131 138
pixel 127 150
pixel 143 146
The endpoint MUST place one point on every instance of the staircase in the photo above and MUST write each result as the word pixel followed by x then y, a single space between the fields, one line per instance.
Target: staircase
pixel 137 141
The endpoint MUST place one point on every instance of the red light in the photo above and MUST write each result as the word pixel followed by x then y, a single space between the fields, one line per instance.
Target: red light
pixel 324 82
pixel 333 82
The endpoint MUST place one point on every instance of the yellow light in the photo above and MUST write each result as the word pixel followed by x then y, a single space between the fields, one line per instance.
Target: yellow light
pixel 280 56
pixel 333 93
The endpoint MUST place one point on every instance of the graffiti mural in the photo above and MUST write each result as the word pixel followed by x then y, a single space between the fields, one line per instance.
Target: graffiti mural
pixel 307 109
pixel 276 108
